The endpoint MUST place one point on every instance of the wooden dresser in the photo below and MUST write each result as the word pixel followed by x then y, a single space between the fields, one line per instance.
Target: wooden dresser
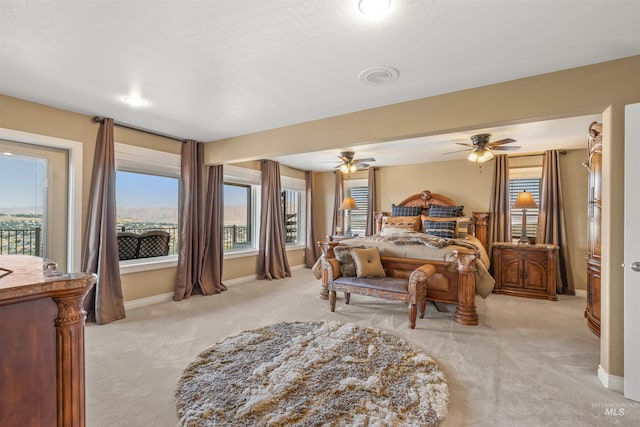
pixel 41 344
pixel 525 270
pixel 592 312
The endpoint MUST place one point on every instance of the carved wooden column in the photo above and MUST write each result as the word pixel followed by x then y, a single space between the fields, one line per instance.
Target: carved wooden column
pixel 480 226
pixel 70 358
pixel 466 313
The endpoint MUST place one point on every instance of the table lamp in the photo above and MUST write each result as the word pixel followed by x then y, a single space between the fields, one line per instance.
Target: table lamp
pixel 347 205
pixel 524 201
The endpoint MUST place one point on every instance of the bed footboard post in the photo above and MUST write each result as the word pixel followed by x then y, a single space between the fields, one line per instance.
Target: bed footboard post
pixel 466 313
pixel 327 252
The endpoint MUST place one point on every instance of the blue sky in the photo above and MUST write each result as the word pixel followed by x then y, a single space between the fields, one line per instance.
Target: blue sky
pixel 20 178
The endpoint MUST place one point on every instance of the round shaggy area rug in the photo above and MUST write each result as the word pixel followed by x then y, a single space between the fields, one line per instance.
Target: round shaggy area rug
pixel 312 374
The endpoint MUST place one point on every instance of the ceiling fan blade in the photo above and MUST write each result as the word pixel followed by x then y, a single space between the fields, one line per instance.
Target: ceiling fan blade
pixel 458 151
pixel 343 159
pixel 368 159
pixel 465 144
pixel 500 142
pixel 361 165
pixel 509 148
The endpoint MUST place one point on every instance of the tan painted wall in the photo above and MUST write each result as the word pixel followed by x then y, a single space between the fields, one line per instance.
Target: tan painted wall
pixel 579 91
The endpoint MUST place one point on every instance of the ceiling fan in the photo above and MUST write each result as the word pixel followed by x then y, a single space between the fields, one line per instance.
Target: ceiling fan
pixel 349 164
pixel 482 149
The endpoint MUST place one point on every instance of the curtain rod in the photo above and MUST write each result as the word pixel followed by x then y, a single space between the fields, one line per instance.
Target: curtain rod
pixel 563 152
pixel 98 119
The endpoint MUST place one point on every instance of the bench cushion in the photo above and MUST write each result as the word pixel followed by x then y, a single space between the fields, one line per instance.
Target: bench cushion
pixel 392 284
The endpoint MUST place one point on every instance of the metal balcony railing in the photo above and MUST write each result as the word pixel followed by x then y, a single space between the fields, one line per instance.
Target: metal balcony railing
pixel 26 241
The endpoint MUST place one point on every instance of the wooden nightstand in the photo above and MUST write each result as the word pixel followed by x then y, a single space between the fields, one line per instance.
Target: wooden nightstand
pixel 525 270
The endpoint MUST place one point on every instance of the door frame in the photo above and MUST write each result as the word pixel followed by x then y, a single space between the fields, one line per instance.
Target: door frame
pixel 631 280
pixel 74 208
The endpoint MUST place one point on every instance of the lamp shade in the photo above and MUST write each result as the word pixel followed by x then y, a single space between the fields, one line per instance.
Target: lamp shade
pixel 348 203
pixel 525 201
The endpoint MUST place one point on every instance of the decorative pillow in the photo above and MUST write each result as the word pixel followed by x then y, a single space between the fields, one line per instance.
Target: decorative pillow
pixel 368 262
pixel 462 224
pixel 409 222
pixel 445 211
pixel 343 255
pixel 440 228
pixel 405 210
pixel 394 231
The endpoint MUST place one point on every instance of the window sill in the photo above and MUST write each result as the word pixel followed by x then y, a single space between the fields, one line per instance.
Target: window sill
pixel 146 264
pixel 296 247
pixel 240 254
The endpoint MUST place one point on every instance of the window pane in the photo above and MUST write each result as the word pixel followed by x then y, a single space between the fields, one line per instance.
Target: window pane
pixel 291 200
pixel 516 186
pixel 146 207
pixel 21 205
pixel 359 216
pixel 237 217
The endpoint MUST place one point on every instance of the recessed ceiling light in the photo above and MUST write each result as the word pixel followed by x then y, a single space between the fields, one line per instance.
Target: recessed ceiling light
pixel 378 75
pixel 6 153
pixel 374 7
pixel 134 101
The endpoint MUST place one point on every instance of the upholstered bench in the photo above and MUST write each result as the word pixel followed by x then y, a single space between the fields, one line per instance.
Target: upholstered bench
pixel 412 290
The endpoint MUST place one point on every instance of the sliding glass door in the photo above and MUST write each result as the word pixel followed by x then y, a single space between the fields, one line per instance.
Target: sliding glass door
pixel 33 201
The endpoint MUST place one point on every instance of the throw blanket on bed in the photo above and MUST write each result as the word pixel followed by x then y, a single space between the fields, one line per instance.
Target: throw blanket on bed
pixel 427 240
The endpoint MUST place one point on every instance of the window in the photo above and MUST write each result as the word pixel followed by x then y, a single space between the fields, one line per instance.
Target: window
pixel 147 199
pixel 524 179
pixel 293 209
pixel 22 213
pixel 238 216
pixel 359 190
pixel 241 209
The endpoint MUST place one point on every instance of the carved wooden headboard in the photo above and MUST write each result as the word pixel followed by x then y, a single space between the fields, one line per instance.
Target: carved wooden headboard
pixel 479 220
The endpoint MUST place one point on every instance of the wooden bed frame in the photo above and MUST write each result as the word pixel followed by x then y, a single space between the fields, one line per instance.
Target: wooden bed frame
pixel 457 287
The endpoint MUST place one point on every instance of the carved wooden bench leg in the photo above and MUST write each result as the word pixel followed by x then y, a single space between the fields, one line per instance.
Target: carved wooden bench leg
pixel 422 307
pixel 332 300
pixel 347 297
pixel 412 315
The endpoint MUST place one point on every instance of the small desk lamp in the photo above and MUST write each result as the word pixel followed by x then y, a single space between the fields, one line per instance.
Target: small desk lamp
pixel 524 201
pixel 347 205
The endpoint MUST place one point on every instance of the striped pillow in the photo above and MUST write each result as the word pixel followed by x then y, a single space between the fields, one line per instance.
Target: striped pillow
pixel 445 211
pixel 462 224
pixel 409 222
pixel 405 210
pixel 440 228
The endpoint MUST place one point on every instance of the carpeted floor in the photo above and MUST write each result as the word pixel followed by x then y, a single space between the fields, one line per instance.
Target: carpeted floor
pixel 529 363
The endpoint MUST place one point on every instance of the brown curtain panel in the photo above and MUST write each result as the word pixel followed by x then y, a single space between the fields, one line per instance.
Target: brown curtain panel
pixel 500 209
pixel 213 252
pixel 191 244
pixel 371 203
pixel 104 303
pixel 337 202
pixel 272 251
pixel 311 252
pixel 552 228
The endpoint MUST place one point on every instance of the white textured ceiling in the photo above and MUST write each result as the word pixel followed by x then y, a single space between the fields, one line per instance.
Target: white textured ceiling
pixel 215 69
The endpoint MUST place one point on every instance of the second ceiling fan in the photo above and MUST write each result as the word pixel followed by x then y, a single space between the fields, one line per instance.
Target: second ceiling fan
pixel 481 147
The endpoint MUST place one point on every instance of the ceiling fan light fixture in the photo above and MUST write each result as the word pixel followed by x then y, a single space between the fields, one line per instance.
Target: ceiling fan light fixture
pixel 480 156
pixel 374 7
pixel 352 168
pixel 344 168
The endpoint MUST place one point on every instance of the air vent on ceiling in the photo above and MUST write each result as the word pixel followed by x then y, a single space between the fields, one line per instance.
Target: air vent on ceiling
pixel 378 75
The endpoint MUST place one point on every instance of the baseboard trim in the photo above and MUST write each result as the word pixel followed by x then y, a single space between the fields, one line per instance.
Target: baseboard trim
pixel 581 292
pixel 155 299
pixel 142 302
pixel 612 382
